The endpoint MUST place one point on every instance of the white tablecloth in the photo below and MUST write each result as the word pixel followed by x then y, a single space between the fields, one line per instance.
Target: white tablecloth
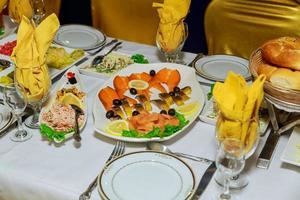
pixel 38 170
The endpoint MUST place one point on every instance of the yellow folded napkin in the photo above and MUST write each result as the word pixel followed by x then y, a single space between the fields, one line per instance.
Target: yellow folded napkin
pixel 171 26
pixel 2 4
pixel 19 8
pixel 238 105
pixel 29 55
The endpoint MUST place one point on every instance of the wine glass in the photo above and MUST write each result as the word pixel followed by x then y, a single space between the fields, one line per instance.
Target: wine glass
pixel 17 103
pixel 230 161
pixel 171 43
pixel 248 132
pixel 38 11
pixel 36 100
pixel 18 9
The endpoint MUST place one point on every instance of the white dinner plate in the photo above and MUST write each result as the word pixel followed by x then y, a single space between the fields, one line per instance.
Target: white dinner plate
pixel 79 36
pixel 291 153
pixel 146 175
pixel 216 67
pixel 6 117
pixel 188 78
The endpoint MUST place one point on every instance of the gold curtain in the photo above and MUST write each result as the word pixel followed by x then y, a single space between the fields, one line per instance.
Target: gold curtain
pixel 238 27
pixel 133 20
pixel 52 6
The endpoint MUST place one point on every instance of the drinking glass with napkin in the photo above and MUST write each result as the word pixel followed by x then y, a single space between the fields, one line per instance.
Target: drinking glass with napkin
pixel 172 31
pixel 238 106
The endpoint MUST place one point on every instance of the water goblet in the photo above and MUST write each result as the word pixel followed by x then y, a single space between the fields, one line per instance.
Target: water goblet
pixel 35 101
pixel 38 11
pixel 230 161
pixel 250 142
pixel 170 44
pixel 17 103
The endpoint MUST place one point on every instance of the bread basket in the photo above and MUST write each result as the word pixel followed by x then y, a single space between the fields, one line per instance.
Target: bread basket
pixel 286 96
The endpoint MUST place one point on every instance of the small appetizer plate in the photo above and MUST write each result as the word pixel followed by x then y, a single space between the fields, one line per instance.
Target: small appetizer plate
pixel 69 85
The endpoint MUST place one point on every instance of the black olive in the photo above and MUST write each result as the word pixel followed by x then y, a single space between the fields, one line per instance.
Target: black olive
pixel 134 113
pixel 176 89
pixel 117 117
pixel 152 72
pixel 109 114
pixel 163 112
pixel 172 94
pixel 117 102
pixel 133 91
pixel 171 112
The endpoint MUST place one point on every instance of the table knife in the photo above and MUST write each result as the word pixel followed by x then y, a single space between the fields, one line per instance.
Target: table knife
pixel 208 174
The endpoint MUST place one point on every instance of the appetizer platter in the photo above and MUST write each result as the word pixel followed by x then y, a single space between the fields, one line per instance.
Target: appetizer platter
pixel 111 64
pixel 58 117
pixel 58 58
pixel 149 102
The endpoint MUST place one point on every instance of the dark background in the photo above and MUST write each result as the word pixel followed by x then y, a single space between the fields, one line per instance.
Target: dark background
pixel 196 39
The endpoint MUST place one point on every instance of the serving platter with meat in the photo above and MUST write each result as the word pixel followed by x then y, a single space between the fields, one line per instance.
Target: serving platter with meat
pixel 149 102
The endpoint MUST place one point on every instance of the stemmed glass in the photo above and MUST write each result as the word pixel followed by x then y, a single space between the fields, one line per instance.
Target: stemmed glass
pixel 38 11
pixel 230 161
pixel 17 102
pixel 250 144
pixel 35 101
pixel 170 44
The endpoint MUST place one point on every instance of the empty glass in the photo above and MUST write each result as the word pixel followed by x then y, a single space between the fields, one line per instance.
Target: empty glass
pixel 230 162
pixel 38 11
pixel 171 43
pixel 17 103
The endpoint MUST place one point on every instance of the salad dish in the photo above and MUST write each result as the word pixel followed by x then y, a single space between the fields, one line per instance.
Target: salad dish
pixel 149 102
pixel 57 118
pixel 111 64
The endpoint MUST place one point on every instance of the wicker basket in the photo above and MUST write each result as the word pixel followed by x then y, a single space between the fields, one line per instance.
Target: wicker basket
pixel 289 96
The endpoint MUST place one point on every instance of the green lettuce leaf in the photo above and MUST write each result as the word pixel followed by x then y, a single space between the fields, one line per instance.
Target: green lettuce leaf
pixel 52 134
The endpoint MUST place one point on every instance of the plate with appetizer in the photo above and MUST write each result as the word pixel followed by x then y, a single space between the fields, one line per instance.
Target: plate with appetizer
pixel 111 64
pixel 58 58
pixel 148 102
pixel 58 117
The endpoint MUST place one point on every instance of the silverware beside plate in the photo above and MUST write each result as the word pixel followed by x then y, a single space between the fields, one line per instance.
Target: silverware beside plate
pixel 118 150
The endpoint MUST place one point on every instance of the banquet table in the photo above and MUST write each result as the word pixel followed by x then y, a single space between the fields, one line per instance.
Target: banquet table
pixel 39 170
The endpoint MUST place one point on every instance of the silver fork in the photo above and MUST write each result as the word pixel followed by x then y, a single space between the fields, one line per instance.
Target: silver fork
pixel 117 151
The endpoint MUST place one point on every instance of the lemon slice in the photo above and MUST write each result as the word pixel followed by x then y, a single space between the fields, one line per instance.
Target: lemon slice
pixel 138 84
pixel 116 127
pixel 189 109
pixel 70 98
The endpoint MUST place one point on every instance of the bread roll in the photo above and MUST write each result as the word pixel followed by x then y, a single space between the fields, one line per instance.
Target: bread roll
pixel 266 69
pixel 286 78
pixel 283 52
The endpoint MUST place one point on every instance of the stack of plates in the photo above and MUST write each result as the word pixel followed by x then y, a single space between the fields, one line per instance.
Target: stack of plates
pixel 216 67
pixel 79 37
pixel 6 118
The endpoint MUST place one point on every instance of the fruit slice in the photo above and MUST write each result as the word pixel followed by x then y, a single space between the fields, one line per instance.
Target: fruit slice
pixel 189 109
pixel 138 84
pixel 70 98
pixel 117 126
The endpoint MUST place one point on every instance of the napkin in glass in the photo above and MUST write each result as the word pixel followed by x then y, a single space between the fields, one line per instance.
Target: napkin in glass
pixel 171 26
pixel 239 105
pixel 29 55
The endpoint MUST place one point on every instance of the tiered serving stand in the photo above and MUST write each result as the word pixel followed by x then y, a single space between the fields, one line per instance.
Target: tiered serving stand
pixel 277 99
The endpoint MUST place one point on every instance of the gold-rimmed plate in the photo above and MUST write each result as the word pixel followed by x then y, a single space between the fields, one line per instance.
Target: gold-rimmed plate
pixel 146 175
